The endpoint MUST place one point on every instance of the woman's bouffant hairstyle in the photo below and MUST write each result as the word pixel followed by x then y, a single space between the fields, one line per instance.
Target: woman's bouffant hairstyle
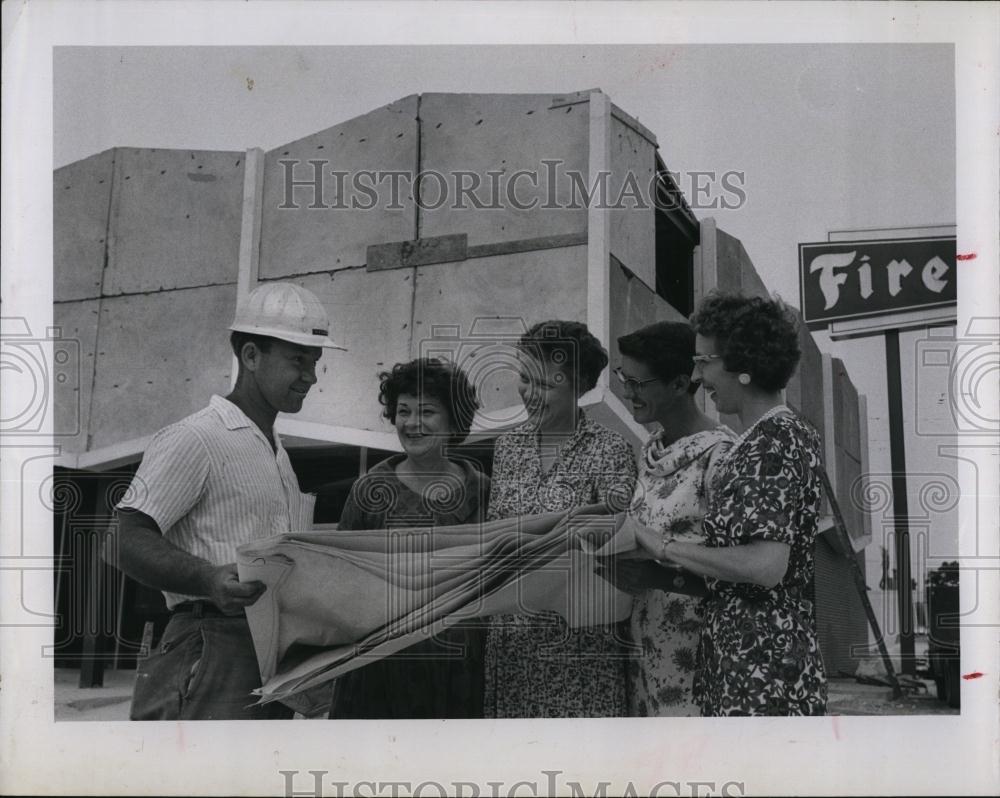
pixel 754 335
pixel 570 345
pixel 431 378
pixel 666 348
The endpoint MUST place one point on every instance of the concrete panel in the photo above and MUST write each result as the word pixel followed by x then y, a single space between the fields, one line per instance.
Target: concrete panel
pixel 633 229
pixel 370 314
pixel 175 221
pixel 805 389
pixel 848 469
pixel 840 617
pixel 78 324
pixel 81 193
pixel 308 240
pixel 729 262
pixel 602 413
pixel 503 133
pixel 845 404
pixel 470 297
pixel 736 271
pixel 159 358
pixel 752 284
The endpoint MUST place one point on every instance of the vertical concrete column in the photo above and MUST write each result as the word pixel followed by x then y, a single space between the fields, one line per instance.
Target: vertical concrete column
pixel 706 279
pixel 599 225
pixel 253 193
pixel 706 260
pixel 249 263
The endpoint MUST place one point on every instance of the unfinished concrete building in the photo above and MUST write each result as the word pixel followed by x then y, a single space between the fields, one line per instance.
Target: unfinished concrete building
pixel 153 249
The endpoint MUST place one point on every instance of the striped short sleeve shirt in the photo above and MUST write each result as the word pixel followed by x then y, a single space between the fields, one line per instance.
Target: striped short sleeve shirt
pixel 212 482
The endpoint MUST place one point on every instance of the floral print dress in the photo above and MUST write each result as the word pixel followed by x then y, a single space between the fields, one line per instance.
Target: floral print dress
pixel 759 652
pixel 537 667
pixel 671 497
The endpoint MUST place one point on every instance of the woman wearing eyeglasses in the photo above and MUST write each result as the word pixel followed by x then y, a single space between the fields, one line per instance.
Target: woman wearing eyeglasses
pixel 670 500
pixel 759 653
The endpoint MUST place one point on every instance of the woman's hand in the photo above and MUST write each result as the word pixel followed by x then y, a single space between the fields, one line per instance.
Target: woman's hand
pixel 600 508
pixel 760 562
pixel 591 532
pixel 630 575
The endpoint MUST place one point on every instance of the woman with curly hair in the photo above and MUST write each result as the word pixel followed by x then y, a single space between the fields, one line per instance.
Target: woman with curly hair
pixel 536 667
pixel 676 471
pixel 431 404
pixel 759 653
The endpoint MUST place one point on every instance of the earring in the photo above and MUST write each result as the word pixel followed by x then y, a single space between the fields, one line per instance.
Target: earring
pixel 744 379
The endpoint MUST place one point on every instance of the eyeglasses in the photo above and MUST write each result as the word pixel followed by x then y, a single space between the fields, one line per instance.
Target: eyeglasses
pixel 702 360
pixel 631 383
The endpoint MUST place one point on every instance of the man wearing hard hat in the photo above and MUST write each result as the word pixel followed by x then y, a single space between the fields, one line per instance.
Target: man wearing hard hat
pixel 207 484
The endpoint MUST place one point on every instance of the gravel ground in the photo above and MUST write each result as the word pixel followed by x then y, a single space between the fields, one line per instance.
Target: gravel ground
pixel 847 697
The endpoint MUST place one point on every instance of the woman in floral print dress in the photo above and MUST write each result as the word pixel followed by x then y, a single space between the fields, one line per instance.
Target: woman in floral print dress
pixel 671 498
pixel 536 667
pixel 759 652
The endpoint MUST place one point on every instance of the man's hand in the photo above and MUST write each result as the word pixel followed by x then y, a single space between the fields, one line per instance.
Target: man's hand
pixel 228 593
pixel 136 545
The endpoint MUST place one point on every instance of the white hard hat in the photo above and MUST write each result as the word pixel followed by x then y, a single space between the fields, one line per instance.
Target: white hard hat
pixel 287 312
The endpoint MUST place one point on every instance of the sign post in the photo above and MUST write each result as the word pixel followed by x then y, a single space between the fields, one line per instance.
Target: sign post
pixel 861 288
pixel 900 504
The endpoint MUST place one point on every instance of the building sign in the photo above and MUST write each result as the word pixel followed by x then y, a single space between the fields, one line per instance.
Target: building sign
pixel 855 279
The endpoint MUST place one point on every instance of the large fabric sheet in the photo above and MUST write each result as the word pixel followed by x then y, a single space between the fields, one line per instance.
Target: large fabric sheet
pixel 337 600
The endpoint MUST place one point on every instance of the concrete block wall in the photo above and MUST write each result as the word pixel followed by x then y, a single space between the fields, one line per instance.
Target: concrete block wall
pixel 146 259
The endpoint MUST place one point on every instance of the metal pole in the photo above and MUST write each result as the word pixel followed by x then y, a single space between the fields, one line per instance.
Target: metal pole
pixel 900 509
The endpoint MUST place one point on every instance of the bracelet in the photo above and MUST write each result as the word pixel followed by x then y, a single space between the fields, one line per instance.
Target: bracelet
pixel 666 542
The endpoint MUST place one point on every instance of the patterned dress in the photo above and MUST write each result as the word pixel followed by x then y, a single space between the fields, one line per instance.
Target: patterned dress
pixel 671 497
pixel 437 678
pixel 759 653
pixel 536 667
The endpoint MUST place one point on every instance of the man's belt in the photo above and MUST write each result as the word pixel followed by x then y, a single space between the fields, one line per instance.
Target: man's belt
pixel 201 609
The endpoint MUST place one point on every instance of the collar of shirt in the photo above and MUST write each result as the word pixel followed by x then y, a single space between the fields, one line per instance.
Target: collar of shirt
pixel 234 418
pixel 584 429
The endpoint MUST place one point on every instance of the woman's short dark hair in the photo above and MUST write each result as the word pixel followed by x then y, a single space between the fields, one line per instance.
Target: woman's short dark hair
pixel 569 345
pixel 666 348
pixel 431 378
pixel 754 335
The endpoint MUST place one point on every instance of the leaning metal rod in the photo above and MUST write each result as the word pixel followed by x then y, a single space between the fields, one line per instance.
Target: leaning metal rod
pixel 859 581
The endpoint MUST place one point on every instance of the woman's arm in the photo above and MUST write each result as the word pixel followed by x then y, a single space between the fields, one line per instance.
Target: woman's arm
pixel 762 562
